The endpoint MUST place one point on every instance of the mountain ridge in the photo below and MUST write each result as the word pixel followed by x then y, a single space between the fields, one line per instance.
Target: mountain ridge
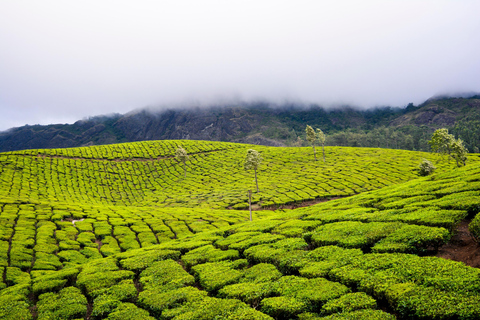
pixel 255 123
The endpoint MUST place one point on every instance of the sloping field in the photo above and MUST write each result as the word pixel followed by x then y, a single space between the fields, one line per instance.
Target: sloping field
pixel 114 232
pixel 147 173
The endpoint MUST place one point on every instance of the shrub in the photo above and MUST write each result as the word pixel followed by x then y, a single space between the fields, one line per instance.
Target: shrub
pixel 282 307
pixel 349 302
pixel 144 259
pixel 158 301
pixel 69 303
pixel 313 292
pixel 127 311
pixel 426 168
pixel 248 292
pixel 165 275
pixel 215 275
pixel 474 227
pixel 208 253
pixel 13 307
pixel 213 308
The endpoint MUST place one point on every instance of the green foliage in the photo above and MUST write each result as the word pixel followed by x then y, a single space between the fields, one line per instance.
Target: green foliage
pixel 208 253
pixel 159 301
pixel 444 143
pixel 143 259
pixel 349 302
pixel 14 308
pixel 127 311
pixel 474 227
pixel 69 303
pixel 426 168
pixel 213 276
pixel 120 230
pixel 212 308
pixel 163 275
pixel 182 156
pixel 253 161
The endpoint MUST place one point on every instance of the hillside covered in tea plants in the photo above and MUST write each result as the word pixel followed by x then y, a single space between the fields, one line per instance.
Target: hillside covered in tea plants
pixel 117 232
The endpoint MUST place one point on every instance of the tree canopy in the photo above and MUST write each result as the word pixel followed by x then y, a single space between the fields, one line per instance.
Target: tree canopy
pixel 253 161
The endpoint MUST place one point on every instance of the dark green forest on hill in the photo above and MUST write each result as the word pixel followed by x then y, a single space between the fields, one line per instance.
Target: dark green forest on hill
pixel 262 123
pixel 122 231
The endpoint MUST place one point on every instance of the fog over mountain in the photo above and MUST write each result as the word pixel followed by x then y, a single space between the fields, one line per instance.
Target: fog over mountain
pixel 62 61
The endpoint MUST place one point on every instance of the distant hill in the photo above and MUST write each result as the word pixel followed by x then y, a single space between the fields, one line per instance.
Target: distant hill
pixel 256 123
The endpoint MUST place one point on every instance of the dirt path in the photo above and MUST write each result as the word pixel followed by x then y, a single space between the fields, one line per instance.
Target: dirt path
pixel 462 247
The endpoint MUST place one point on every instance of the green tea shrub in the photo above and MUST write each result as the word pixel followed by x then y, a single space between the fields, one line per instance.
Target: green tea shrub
pixel 72 257
pixel 208 253
pixel 474 227
pixel 313 292
pixel 352 234
pixel 144 259
pixel 255 240
pixel 69 303
pixel 412 239
pixel 213 308
pixel 248 292
pixel 349 302
pixel 212 276
pixel 283 307
pixel 262 272
pixel 224 243
pixel 13 307
pixel 127 311
pixel 16 276
pixel 323 259
pixel 54 281
pixel 366 314
pixel 100 274
pixel 108 299
pixel 156 301
pixel 167 274
pixel 287 255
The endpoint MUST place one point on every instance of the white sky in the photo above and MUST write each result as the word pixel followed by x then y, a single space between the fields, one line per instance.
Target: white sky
pixel 61 61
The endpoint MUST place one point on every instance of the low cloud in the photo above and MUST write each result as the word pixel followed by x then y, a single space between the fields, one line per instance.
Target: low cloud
pixel 63 61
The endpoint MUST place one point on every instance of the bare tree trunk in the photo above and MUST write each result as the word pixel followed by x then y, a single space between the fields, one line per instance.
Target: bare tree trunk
pixel 184 170
pixel 256 181
pixel 323 149
pixel 314 153
pixel 250 203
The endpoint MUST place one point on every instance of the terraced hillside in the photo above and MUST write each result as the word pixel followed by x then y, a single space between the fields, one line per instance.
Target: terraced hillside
pixel 114 232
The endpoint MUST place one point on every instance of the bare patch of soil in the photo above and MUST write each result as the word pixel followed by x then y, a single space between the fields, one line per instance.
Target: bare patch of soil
pixel 462 247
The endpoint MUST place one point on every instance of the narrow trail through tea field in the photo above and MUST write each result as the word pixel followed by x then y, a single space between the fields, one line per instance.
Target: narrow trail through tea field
pixel 462 247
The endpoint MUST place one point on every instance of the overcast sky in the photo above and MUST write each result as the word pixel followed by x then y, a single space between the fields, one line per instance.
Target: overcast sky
pixel 61 61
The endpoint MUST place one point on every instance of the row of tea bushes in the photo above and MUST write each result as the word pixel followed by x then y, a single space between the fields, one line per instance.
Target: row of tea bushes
pixel 42 237
pixel 215 174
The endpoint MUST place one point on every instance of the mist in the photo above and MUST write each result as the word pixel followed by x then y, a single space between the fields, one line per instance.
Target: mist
pixel 62 61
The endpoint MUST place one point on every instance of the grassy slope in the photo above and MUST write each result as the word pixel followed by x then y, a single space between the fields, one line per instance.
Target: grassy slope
pixel 132 204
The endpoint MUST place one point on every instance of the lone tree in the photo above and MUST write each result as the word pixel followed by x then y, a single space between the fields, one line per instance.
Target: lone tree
pixel 321 137
pixel 181 155
pixel 445 144
pixel 253 161
pixel 312 137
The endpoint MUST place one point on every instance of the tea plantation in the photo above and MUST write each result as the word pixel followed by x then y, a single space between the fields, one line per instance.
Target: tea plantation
pixel 117 232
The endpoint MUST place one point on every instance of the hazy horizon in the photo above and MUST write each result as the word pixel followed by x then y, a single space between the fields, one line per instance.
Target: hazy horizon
pixel 64 61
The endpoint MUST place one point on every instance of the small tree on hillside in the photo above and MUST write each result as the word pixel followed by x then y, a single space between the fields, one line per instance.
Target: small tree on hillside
pixel 253 161
pixel 445 144
pixel 321 137
pixel 311 137
pixel 181 155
